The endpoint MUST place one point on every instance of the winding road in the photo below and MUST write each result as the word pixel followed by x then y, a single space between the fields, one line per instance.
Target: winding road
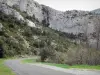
pixel 29 69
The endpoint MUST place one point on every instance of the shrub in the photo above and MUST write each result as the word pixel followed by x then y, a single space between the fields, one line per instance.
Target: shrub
pixel 59 58
pixel 39 44
pixel 83 56
pixel 47 52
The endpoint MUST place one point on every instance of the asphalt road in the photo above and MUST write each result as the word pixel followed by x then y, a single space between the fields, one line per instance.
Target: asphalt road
pixel 26 69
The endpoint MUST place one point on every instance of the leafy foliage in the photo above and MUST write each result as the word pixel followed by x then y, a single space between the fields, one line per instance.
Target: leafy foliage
pixel 18 39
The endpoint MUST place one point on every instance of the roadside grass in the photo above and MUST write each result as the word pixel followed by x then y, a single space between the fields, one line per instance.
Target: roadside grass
pixel 3 69
pixel 29 61
pixel 58 65
pixel 97 67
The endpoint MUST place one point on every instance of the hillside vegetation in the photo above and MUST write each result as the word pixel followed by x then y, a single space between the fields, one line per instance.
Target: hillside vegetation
pixel 18 39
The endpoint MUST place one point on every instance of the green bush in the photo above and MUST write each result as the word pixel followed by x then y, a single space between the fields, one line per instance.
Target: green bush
pixel 59 58
pixel 47 52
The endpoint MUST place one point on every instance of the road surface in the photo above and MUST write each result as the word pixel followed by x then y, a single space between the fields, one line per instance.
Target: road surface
pixel 26 69
pixel 40 69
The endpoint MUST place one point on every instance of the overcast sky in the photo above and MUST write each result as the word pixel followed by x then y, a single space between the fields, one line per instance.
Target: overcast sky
pixel 64 5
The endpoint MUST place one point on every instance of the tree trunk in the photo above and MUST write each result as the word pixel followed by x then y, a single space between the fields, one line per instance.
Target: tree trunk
pixel 98 38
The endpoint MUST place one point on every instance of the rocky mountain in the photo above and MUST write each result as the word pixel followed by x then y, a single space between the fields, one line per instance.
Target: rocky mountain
pixel 73 21
pixel 62 21
pixel 97 11
pixel 29 28
pixel 21 34
pixel 26 38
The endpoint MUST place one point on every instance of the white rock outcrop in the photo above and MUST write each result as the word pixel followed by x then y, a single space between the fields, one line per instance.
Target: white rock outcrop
pixel 29 6
pixel 30 23
pixel 10 11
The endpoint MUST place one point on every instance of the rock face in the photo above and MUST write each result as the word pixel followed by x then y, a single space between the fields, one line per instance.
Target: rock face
pixel 62 21
pixel 29 6
pixel 9 11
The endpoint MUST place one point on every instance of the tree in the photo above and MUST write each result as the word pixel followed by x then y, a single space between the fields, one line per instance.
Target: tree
pixel 46 52
pixel 97 30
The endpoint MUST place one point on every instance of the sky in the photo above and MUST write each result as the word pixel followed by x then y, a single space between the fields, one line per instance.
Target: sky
pixel 64 5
